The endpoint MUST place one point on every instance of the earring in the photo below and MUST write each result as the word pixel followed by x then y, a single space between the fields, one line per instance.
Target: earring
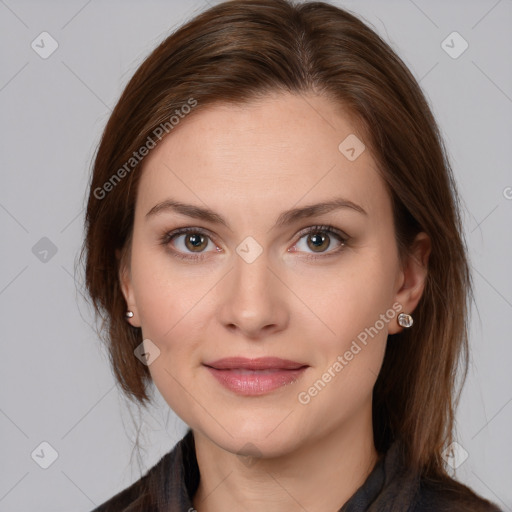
pixel 405 320
pixel 129 314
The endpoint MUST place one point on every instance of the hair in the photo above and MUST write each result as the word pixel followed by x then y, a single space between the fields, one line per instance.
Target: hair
pixel 243 50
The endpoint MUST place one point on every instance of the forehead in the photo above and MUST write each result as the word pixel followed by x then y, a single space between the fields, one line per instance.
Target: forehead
pixel 268 154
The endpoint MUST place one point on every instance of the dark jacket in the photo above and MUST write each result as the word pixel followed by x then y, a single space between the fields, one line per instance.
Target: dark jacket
pixel 170 485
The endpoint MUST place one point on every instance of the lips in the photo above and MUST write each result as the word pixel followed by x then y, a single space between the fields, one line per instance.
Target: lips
pixel 258 364
pixel 255 376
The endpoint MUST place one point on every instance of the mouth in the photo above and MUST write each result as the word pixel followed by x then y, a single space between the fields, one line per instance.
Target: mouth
pixel 255 376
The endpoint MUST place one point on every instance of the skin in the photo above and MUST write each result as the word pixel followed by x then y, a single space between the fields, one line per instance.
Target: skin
pixel 249 163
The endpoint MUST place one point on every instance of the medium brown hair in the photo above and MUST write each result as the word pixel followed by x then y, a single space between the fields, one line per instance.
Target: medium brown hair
pixel 244 49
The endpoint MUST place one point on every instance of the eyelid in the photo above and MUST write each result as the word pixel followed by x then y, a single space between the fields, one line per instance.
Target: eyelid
pixel 322 227
pixel 168 236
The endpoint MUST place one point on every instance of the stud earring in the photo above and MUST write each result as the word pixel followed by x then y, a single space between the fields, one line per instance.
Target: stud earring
pixel 405 320
pixel 129 314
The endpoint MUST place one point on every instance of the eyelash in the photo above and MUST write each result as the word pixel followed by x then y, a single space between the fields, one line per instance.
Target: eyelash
pixel 168 237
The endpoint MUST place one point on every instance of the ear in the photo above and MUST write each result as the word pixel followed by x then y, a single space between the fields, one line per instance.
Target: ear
pixel 125 282
pixel 412 277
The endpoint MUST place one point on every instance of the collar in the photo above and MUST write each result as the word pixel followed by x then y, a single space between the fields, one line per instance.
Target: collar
pixel 389 487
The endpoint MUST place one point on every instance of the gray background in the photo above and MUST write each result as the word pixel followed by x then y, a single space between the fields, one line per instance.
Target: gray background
pixel 57 386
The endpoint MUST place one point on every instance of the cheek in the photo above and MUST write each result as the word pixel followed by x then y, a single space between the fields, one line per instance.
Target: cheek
pixel 173 309
pixel 349 297
pixel 170 308
pixel 351 354
pixel 164 295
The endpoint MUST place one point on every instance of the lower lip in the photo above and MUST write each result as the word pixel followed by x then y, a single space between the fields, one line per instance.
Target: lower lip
pixel 257 382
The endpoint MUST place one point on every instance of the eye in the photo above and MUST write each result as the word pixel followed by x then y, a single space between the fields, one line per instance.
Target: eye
pixel 319 239
pixel 195 241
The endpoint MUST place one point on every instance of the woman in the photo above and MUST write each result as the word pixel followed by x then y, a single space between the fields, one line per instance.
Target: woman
pixel 273 239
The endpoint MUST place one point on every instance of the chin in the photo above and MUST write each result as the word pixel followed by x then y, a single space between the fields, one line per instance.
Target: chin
pixel 253 437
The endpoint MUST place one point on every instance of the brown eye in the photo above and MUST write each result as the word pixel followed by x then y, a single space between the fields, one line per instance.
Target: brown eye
pixel 186 242
pixel 319 239
pixel 318 242
pixel 195 242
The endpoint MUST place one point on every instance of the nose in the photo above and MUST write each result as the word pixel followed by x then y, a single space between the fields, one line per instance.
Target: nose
pixel 253 299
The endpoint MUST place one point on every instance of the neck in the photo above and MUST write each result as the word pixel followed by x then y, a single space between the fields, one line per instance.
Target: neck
pixel 320 475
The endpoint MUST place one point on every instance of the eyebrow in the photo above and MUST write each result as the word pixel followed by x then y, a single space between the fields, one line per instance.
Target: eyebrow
pixel 285 218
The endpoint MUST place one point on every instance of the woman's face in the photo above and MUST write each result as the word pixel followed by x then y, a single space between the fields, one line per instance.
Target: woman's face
pixel 257 285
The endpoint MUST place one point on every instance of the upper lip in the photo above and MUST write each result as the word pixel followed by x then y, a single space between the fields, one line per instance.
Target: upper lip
pixel 260 363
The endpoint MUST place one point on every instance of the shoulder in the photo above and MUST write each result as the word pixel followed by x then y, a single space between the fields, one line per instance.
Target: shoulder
pixel 134 498
pixel 170 481
pixel 450 496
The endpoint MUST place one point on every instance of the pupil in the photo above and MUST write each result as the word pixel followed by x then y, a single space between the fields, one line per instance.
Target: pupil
pixel 196 240
pixel 318 240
